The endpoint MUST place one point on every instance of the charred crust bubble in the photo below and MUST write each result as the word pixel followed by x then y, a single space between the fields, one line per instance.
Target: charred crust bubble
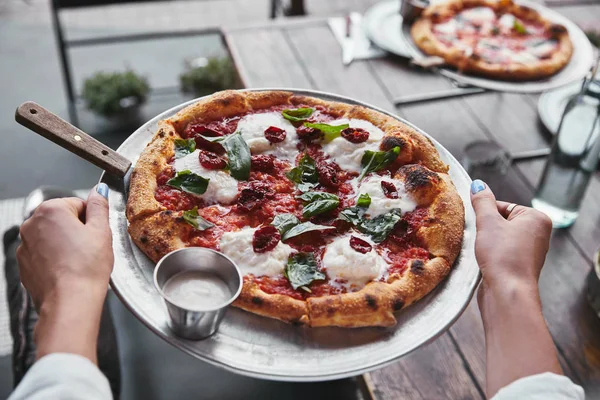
pixel 557 29
pixel 418 177
pixel 168 212
pixel 161 133
pixel 371 301
pixel 389 142
pixel 397 305
pixel 417 267
pixel 144 239
pixel 257 300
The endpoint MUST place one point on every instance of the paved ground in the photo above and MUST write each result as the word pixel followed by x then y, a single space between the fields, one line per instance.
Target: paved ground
pixel 29 70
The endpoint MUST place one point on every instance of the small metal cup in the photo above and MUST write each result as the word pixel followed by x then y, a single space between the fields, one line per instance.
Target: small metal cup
pixel 195 324
pixel 412 9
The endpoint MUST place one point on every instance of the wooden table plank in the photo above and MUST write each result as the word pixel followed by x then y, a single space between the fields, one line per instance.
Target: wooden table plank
pixel 321 56
pixel 264 58
pixel 434 371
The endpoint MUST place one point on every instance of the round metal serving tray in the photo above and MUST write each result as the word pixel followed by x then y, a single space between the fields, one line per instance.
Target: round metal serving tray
pixel 388 35
pixel 264 348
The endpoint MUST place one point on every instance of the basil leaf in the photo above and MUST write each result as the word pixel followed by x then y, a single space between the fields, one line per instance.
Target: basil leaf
pixel 364 200
pixel 519 27
pixel 195 220
pixel 189 182
pixel 305 175
pixel 301 270
pixel 330 132
pixel 354 215
pixel 285 222
pixel 239 156
pixel 183 147
pixel 318 203
pixel 303 228
pixel 297 114
pixel 379 227
pixel 375 160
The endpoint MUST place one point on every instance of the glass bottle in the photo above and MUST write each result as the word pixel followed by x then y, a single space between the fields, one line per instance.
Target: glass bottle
pixel 573 158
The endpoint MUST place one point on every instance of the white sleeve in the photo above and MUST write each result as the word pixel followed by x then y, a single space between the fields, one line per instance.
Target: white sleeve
pixel 63 376
pixel 546 386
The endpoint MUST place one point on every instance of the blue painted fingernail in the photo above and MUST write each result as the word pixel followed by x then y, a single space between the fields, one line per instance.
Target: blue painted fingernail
pixel 103 190
pixel 477 186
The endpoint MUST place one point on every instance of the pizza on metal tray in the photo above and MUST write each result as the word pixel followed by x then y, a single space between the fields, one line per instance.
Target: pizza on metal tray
pixel 336 214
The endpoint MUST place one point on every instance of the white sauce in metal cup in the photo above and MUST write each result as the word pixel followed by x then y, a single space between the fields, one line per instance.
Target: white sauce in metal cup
pixel 197 290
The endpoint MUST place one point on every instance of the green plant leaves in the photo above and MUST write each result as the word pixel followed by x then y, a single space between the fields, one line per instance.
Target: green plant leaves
pixel 375 160
pixel 104 91
pixel 218 74
pixel 318 203
pixel 330 132
pixel 301 270
pixel 189 182
pixel 297 114
pixel 183 147
pixel 195 220
pixel 305 175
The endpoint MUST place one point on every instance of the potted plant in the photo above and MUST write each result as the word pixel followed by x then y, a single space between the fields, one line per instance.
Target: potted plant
pixel 117 96
pixel 204 76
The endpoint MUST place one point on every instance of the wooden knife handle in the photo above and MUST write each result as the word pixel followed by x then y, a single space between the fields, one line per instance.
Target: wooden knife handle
pixel 35 117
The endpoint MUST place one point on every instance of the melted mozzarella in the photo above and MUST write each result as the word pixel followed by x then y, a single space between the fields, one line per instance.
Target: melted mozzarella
pixel 449 27
pixel 507 21
pixel 344 263
pixel 381 204
pixel 252 128
pixel 238 246
pixel 222 188
pixel 478 14
pixel 347 154
pixel 543 49
pixel 521 57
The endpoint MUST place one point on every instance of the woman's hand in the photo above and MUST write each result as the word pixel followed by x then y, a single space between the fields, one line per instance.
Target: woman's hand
pixel 65 260
pixel 510 247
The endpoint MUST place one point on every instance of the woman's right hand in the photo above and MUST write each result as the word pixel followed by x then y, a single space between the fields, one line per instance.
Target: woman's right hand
pixel 510 247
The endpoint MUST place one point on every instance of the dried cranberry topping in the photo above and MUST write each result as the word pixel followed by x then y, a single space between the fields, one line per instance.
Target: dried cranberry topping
pixel 265 239
pixel 211 160
pixel 362 246
pixel 207 145
pixel 253 195
pixel 328 175
pixel 306 133
pixel 193 130
pixel 389 190
pixel 355 135
pixel 275 134
pixel 262 162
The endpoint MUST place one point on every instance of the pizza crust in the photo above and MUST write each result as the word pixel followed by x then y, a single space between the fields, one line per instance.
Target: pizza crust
pixel 423 36
pixel 157 231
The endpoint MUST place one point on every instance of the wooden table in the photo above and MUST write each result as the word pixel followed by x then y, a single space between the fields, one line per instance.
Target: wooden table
pixel 304 54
